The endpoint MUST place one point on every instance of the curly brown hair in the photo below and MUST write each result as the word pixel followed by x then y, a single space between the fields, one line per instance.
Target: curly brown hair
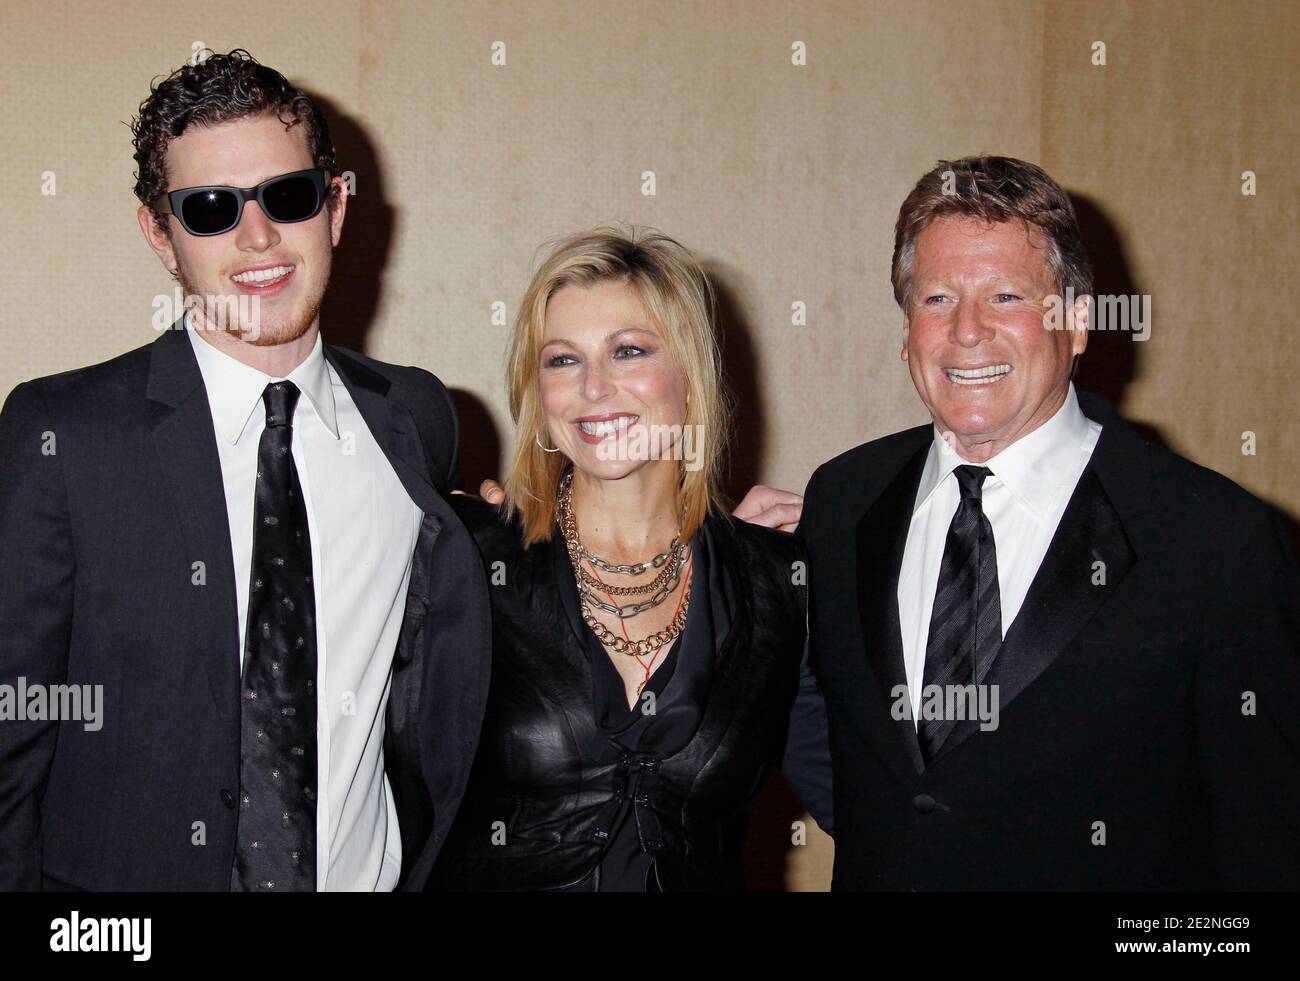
pixel 216 89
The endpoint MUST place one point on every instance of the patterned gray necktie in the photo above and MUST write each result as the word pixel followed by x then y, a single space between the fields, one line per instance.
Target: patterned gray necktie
pixel 275 845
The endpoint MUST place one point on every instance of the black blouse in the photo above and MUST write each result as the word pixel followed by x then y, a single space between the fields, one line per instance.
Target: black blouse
pixel 652 729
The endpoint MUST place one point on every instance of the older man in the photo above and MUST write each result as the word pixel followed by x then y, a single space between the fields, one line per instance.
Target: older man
pixel 1054 656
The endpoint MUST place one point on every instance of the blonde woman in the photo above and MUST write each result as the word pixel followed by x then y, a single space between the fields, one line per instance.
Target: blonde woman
pixel 647 647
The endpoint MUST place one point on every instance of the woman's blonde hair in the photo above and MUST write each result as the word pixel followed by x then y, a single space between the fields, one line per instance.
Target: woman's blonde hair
pixel 680 302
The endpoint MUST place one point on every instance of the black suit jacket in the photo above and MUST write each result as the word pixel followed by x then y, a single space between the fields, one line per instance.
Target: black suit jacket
pixel 111 496
pixel 1149 731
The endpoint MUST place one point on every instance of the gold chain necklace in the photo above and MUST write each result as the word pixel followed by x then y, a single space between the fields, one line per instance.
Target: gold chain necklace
pixel 621 645
pixel 636 590
pixel 647 645
pixel 674 549
pixel 578 554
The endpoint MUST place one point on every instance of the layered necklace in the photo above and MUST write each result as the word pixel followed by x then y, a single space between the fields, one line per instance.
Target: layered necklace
pixel 669 564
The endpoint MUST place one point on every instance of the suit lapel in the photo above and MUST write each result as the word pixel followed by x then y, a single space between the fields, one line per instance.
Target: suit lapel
pixel 391 425
pixel 881 537
pixel 1088 558
pixel 185 443
pixel 393 428
pixel 443 657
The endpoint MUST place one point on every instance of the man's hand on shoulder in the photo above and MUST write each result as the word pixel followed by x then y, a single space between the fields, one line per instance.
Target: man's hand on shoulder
pixel 771 508
pixel 490 491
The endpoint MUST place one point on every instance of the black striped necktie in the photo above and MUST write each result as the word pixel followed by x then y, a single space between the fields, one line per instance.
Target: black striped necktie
pixel 966 622
pixel 275 845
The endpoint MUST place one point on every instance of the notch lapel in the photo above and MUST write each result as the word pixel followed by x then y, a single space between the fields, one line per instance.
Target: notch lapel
pixel 1063 596
pixel 186 445
pixel 443 657
pixel 394 429
pixel 881 537
pixel 391 425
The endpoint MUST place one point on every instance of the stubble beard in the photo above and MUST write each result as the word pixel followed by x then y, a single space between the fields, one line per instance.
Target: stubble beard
pixel 260 330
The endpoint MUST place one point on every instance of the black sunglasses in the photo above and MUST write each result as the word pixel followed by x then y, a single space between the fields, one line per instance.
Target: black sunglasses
pixel 216 209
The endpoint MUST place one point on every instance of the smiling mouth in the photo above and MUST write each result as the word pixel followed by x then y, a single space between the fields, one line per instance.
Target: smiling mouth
pixel 606 427
pixel 262 277
pixel 977 376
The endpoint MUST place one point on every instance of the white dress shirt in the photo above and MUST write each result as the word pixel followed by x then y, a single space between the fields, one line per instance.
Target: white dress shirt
pixel 363 528
pixel 1024 498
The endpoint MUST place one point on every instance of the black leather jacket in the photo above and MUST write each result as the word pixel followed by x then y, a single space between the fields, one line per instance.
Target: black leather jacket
pixel 533 815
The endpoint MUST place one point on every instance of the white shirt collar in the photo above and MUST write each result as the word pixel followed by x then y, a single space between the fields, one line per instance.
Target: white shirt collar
pixel 1033 468
pixel 235 389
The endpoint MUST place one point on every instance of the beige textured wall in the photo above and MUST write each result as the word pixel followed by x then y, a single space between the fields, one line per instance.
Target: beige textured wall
pixel 785 179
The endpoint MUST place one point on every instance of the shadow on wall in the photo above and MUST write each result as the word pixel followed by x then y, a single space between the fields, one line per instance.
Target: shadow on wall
pixel 482 454
pixel 352 304
pixel 1110 364
pixel 744 459
pixel 1113 358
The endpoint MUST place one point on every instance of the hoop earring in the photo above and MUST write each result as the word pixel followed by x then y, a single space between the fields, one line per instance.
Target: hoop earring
pixel 537 438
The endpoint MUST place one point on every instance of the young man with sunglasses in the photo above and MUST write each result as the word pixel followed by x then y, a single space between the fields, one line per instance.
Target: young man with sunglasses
pixel 237 534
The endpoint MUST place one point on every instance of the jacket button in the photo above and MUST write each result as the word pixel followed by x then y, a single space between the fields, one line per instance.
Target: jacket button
pixel 228 799
pixel 923 803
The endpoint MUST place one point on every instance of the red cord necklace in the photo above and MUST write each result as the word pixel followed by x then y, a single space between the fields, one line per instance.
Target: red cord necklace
pixel 647 668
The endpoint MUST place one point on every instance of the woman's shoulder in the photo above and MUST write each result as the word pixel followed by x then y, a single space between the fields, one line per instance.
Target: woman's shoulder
pixel 492 527
pixel 772 565
pixel 753 543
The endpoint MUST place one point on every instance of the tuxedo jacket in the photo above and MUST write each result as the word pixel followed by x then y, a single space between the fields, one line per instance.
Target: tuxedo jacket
pixel 1149 688
pixel 110 494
